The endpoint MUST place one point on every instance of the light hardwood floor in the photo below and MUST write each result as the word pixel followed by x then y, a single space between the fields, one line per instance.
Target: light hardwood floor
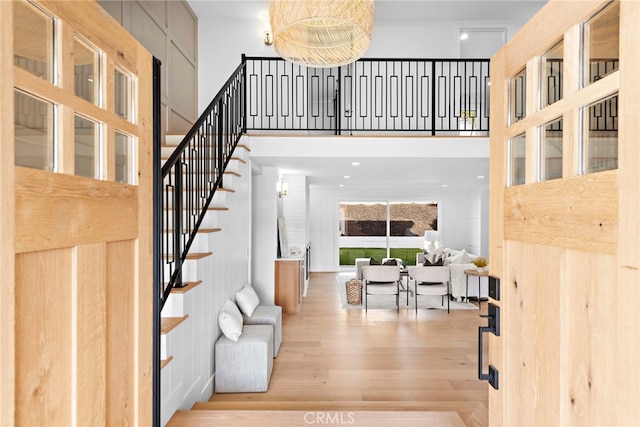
pixel 357 368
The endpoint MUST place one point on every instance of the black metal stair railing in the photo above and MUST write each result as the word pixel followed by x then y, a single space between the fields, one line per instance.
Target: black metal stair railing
pixel 192 174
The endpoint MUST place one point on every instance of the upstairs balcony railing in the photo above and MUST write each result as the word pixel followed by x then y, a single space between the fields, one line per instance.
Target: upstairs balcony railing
pixel 371 96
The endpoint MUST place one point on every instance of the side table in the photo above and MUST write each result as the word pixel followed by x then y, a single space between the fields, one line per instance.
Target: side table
pixel 478 274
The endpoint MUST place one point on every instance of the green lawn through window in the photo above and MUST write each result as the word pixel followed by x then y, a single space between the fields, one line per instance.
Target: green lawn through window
pixel 348 255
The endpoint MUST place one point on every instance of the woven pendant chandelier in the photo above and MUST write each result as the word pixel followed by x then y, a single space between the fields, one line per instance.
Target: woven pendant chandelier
pixel 321 33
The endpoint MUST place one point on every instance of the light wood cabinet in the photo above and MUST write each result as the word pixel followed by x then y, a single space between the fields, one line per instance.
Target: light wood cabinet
pixel 289 282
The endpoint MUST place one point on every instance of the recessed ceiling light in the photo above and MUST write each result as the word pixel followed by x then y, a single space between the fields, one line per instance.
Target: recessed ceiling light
pixel 480 176
pixel 347 176
pixel 444 185
pixel 464 36
pixel 355 164
pixel 341 185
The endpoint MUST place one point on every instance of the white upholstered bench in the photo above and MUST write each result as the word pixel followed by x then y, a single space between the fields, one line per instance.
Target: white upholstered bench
pixel 268 315
pixel 253 313
pixel 244 365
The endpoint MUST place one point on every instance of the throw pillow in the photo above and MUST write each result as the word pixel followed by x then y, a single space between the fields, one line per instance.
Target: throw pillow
pixel 373 261
pixel 247 300
pixel 461 257
pixel 434 259
pixel 230 320
pixel 392 261
pixel 439 262
pixel 450 252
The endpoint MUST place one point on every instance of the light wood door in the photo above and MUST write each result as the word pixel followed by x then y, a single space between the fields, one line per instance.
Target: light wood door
pixel 77 240
pixel 567 250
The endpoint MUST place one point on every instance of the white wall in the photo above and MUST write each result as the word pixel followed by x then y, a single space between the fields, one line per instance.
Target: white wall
pixel 456 207
pixel 484 224
pixel 294 210
pixel 222 58
pixel 264 221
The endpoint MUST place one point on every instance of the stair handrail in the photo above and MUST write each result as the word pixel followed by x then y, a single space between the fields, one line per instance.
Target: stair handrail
pixel 206 150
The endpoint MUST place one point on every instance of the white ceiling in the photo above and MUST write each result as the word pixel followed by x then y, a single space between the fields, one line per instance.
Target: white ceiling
pixel 391 10
pixel 384 162
pixel 385 173
pixel 399 170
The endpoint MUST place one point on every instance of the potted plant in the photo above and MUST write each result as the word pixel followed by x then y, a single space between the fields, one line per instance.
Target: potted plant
pixel 480 263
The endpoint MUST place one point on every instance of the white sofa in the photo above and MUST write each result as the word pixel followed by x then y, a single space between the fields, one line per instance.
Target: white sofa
pixel 477 288
pixel 361 262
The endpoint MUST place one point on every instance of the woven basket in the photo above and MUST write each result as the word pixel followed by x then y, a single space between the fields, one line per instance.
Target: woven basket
pixel 354 291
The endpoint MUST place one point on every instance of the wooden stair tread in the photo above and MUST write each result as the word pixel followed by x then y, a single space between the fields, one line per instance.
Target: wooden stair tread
pixel 233 173
pixel 210 208
pixel 168 323
pixel 209 230
pixel 184 289
pixel 165 362
pixel 243 146
pixel 227 189
pixel 198 255
pixel 239 159
pixel 193 255
pixel 297 418
pixel 200 230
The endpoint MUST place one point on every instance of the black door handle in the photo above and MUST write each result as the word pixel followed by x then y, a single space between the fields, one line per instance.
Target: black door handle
pixel 494 328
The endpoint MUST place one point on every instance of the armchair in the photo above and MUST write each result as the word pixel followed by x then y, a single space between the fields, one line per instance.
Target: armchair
pixel 431 281
pixel 381 280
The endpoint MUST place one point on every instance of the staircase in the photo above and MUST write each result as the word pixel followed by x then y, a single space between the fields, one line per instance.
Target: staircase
pixel 186 345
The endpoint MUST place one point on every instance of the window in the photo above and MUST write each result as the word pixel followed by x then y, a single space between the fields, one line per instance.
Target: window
pixel 384 229
pixel 124 158
pixel 123 94
pixel 363 219
pixel 33 40
pixel 87 147
pixel 412 219
pixel 600 148
pixel 517 149
pixel 551 79
pixel 551 151
pixel 34 130
pixel 602 44
pixel 517 97
pixel 42 138
pixel 86 71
